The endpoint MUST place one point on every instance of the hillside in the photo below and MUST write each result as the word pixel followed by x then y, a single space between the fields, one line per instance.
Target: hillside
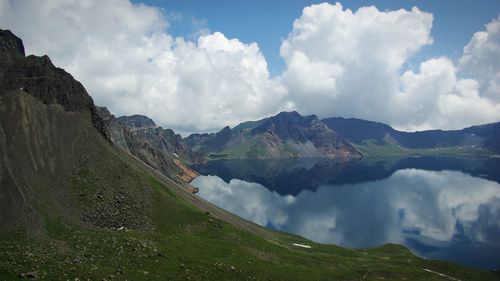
pixel 73 206
pixel 286 135
pixel 375 139
pixel 160 148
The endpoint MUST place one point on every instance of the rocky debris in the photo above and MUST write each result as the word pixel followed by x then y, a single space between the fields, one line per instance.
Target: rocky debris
pixel 29 275
pixel 226 267
pixel 108 207
pixel 215 222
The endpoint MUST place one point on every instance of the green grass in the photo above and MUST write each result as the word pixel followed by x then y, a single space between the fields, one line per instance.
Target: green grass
pixel 252 148
pixel 188 244
pixel 372 149
pixel 72 217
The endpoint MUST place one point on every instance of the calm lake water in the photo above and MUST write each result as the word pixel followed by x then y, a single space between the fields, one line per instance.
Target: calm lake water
pixel 440 208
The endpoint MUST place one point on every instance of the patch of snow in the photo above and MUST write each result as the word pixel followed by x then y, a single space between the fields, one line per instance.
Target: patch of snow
pixel 302 245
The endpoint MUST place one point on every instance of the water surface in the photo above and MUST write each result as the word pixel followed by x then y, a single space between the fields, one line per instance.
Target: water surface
pixel 440 208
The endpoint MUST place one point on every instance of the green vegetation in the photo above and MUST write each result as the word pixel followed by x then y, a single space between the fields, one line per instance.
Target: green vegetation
pixel 73 207
pixel 187 243
pixel 253 147
pixel 371 148
pixel 104 214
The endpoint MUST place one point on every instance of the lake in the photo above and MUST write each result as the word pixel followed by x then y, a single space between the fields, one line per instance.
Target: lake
pixel 439 208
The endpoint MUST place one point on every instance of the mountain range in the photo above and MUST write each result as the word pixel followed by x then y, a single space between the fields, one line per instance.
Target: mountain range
pixel 291 135
pixel 373 138
pixel 286 135
pixel 80 201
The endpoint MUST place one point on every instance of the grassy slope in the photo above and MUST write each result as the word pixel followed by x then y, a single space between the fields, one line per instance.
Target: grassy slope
pixel 254 147
pixel 174 238
pixel 372 149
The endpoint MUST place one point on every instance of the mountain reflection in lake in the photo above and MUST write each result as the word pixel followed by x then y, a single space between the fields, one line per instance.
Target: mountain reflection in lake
pixel 440 208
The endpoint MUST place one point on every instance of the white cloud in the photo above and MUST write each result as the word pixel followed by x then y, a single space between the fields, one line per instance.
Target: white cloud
pixel 348 62
pixel 436 98
pixel 339 63
pixel 128 62
pixel 481 59
pixel 345 63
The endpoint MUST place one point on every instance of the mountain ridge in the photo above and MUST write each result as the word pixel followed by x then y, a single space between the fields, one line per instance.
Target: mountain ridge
pixel 285 135
pixel 160 148
pixel 479 138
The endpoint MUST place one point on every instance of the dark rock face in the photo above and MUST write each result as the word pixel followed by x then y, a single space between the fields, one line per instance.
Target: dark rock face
pixel 41 79
pixel 286 135
pixel 10 45
pixel 116 131
pixel 168 141
pixel 136 121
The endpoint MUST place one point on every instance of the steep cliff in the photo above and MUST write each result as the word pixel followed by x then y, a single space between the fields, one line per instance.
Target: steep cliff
pixel 160 148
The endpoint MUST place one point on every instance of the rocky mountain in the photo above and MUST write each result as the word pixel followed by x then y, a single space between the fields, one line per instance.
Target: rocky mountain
pixel 373 137
pixel 55 157
pixel 75 207
pixel 160 148
pixel 135 122
pixel 38 77
pixel 286 135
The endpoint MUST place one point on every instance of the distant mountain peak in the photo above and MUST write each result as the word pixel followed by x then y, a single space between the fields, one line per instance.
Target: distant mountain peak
pixel 10 43
pixel 137 121
pixel 284 135
pixel 292 115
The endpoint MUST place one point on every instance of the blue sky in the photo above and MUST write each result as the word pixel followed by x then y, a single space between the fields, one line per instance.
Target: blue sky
pixel 268 22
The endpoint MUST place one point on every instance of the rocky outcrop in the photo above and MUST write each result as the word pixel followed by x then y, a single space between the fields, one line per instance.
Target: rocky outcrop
pixel 116 131
pixel 160 148
pixel 137 122
pixel 168 141
pixel 41 79
pixel 286 135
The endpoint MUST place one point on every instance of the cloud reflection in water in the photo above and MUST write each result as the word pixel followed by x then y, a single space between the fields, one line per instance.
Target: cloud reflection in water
pixel 434 213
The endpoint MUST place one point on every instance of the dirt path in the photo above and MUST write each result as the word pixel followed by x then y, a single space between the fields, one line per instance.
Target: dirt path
pixel 442 275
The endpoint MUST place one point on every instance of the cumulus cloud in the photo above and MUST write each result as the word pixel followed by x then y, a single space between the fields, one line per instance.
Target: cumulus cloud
pixel 126 59
pixel 339 63
pixel 347 63
pixel 434 97
pixel 481 60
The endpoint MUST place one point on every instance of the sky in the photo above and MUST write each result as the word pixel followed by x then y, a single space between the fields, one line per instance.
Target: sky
pixel 197 66
pixel 268 22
